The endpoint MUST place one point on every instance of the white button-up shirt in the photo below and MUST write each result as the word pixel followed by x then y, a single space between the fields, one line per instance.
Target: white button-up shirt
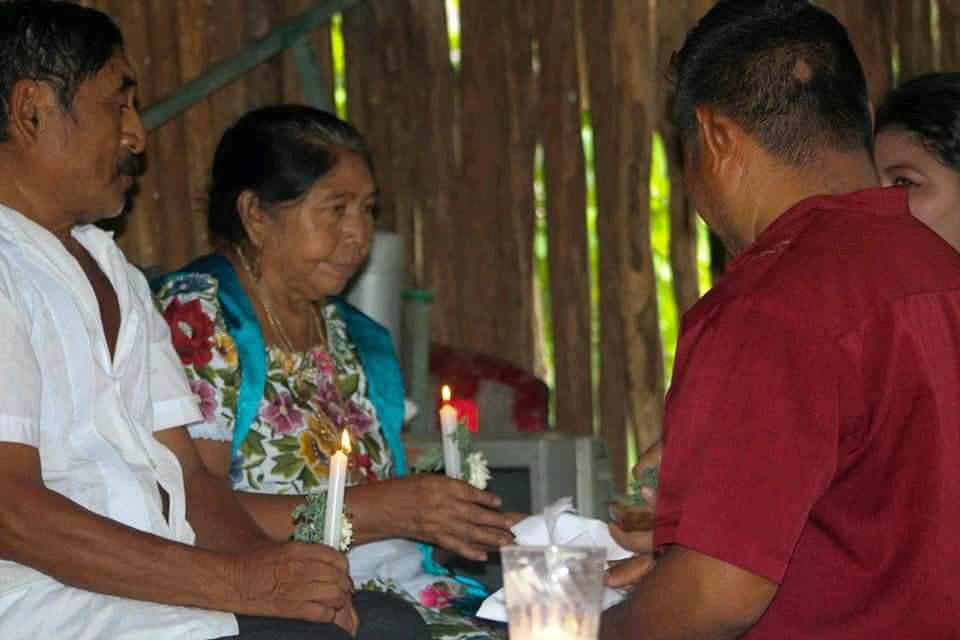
pixel 92 418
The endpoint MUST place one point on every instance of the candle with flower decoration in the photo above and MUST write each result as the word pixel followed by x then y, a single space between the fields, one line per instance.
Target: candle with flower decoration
pixel 336 485
pixel 448 431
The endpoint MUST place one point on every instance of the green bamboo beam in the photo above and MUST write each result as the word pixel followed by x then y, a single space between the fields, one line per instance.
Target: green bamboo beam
pixel 316 91
pixel 225 72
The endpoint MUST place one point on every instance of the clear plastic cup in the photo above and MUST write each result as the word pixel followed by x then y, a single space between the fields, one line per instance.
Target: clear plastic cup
pixel 553 593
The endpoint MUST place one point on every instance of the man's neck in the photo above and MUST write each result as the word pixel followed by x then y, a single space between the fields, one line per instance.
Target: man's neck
pixel 27 195
pixel 835 174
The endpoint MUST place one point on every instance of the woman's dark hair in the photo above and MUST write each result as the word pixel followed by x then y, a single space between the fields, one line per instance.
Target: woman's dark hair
pixel 278 153
pixel 928 106
pixel 60 43
pixel 782 69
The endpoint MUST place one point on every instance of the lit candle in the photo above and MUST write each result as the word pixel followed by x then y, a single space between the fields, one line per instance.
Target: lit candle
pixel 335 487
pixel 448 431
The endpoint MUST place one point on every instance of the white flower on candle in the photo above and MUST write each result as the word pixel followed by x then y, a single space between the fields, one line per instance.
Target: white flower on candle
pixel 346 533
pixel 479 472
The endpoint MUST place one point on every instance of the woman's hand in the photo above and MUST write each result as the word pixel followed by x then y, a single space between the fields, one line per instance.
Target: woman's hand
pixel 432 508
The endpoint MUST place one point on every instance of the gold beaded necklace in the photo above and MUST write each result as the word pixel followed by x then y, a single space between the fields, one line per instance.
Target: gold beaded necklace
pixel 272 319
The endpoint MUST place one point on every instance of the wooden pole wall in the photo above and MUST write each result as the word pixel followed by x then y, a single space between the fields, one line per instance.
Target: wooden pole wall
pixel 455 157
pixel 566 198
pixel 912 22
pixel 949 34
pixel 597 21
pixel 495 191
pixel 869 24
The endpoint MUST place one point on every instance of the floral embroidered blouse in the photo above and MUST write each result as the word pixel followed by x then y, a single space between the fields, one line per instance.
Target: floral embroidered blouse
pixel 309 398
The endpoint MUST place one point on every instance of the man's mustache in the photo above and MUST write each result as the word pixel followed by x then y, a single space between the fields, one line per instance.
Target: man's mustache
pixel 133 165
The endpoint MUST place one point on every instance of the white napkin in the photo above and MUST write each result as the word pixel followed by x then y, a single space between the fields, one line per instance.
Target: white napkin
pixel 568 529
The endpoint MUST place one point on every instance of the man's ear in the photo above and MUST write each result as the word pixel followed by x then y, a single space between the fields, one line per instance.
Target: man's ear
pixel 253 216
pixel 719 140
pixel 30 107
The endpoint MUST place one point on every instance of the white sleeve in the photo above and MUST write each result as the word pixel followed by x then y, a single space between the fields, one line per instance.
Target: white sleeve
pixel 20 378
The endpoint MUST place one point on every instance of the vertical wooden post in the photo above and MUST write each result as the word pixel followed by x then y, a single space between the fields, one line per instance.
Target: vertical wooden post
pixel 949 35
pixel 597 23
pixel 178 238
pixel 622 61
pixel 913 33
pixel 565 180
pixel 868 23
pixel 673 20
pixel 437 219
pixel 634 24
pixel 496 200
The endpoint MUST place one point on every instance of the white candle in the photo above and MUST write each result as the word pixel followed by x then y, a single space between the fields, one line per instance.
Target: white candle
pixel 336 484
pixel 448 430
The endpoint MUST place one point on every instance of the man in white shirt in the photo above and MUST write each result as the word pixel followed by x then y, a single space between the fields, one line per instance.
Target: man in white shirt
pixel 110 525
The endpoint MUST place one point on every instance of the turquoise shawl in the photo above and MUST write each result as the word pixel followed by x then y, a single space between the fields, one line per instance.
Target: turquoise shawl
pixel 373 343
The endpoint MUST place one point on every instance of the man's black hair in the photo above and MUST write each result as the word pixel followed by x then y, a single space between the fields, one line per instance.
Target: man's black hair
pixel 784 70
pixel 61 43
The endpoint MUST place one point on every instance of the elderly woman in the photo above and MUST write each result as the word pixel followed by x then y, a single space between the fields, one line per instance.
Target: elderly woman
pixel 281 366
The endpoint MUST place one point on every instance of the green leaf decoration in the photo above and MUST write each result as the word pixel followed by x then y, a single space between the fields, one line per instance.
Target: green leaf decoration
pixel 252 446
pixel 309 517
pixel 464 440
pixel 287 444
pixel 287 465
pixel 348 384
pixel 429 461
pixel 269 393
pixel 650 478
pixel 308 479
pixel 229 398
pixel 228 376
pixel 207 373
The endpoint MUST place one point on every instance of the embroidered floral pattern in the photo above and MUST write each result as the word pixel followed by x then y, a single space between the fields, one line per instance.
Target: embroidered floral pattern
pixel 282 415
pixel 437 595
pixel 205 398
pixel 191 330
pixel 308 400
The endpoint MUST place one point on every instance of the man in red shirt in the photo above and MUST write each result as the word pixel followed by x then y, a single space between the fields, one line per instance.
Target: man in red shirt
pixel 810 483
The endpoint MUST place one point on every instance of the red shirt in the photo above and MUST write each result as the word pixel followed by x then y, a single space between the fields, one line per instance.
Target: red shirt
pixel 812 431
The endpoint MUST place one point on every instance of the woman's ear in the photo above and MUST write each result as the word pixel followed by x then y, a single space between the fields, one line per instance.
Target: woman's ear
pixel 253 217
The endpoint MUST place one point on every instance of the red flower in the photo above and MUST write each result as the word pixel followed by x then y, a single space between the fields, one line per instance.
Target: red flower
pixel 362 463
pixel 192 332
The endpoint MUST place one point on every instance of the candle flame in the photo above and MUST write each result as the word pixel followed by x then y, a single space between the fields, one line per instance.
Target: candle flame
pixel 445 393
pixel 345 442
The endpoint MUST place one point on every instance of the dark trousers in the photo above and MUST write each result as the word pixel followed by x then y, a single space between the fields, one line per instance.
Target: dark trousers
pixel 382 616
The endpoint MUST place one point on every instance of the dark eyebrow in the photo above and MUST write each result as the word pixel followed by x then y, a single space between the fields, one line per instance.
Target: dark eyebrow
pixel 901 167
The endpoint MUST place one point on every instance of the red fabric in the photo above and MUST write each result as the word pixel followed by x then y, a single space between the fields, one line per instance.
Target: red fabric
pixel 463 371
pixel 466 410
pixel 812 432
